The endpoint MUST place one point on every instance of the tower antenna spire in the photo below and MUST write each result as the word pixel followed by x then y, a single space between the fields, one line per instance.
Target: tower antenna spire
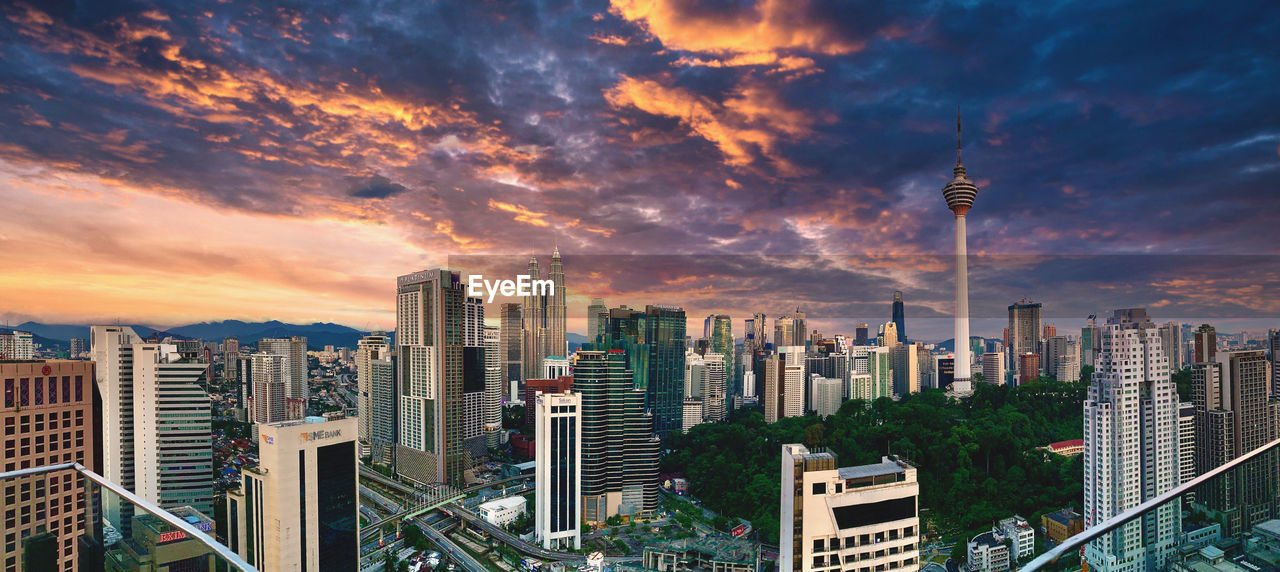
pixel 959 146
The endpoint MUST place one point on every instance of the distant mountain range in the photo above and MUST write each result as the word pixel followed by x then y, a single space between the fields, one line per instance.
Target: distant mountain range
pixel 318 334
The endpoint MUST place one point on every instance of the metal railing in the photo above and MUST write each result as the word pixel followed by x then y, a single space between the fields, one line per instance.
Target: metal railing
pixel 217 548
pixel 1049 559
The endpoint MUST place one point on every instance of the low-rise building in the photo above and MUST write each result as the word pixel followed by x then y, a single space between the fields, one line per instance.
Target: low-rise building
pixel 157 546
pixel 1062 524
pixel 1071 448
pixel 1021 533
pixel 499 512
pixel 702 554
pixel 988 553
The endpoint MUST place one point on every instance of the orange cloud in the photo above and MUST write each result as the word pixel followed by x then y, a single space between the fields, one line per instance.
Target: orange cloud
pixel 522 214
pixel 752 120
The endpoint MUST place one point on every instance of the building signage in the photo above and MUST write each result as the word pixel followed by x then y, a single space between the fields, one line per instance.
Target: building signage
pixel 318 435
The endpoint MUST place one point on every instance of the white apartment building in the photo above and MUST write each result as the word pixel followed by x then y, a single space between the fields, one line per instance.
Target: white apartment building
pixel 825 394
pixel 1023 535
pixel 848 518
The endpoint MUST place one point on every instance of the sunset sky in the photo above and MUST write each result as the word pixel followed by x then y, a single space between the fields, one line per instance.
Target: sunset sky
pixel 170 163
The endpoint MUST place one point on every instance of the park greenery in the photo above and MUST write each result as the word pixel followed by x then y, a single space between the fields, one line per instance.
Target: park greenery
pixel 978 459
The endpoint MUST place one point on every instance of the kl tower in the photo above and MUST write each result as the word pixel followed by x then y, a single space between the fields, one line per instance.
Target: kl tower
pixel 959 193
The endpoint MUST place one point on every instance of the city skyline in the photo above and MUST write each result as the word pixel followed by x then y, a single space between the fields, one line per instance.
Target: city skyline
pixel 215 183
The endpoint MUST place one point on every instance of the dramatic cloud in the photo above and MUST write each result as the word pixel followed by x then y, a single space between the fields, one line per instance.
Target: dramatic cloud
pixel 173 161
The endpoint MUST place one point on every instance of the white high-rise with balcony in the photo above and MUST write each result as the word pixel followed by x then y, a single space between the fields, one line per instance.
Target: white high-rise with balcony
pixel 1131 446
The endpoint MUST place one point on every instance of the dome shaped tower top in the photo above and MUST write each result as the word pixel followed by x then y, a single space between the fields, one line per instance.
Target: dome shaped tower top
pixel 959 192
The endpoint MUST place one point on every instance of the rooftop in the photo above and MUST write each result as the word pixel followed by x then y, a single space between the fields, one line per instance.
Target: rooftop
pixel 504 503
pixel 1270 527
pixel 717 549
pixel 884 467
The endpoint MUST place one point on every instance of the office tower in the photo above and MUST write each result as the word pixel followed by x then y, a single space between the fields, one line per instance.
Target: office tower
pixel 899 317
pixel 156 423
pixel 654 343
pixel 720 333
pixel 555 366
pixel 927 374
pixel 558 475
pixel 492 385
pixel 825 394
pixel 695 374
pixel 296 390
pixel 619 449
pixel 474 397
pixel 298 509
pixel 1171 336
pixel 848 518
pixel 48 401
pixel 543 317
pixel 692 413
pixel 511 329
pixel 1234 416
pixel 945 370
pixel 906 369
pixel 714 395
pixel 993 367
pixel 1053 350
pixel 533 387
pixel 1028 368
pixel 383 397
pixel 860 335
pixel 959 194
pixel 1206 345
pixel 1024 335
pixel 1187 443
pixel 595 321
pixel 16 345
pixel 1089 345
pixel 430 330
pixel 369 348
pixel 1130 446
pixel 888 335
pixel 1049 332
pixel 749 342
pixel 784 331
pixel 269 374
pixel 784 384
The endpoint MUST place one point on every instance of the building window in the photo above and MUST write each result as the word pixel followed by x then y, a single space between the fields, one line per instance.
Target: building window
pixel 819 488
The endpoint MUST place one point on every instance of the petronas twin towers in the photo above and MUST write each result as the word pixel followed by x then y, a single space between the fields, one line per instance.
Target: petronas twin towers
pixel 544 319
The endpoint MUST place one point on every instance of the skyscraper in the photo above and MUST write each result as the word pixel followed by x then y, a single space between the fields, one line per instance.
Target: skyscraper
pixel 543 317
pixel 1024 334
pixel 860 335
pixel 558 473
pixel 383 400
pixel 784 331
pixel 719 329
pixel 1234 416
pixel 960 193
pixel 784 384
pixel 60 391
pixel 1206 344
pixel 16 345
pixel 713 395
pixel 1273 346
pixel 430 333
pixel 899 317
pixel 654 342
pixel 1089 342
pixel 594 319
pixel 369 348
pixel 492 385
pixel 296 391
pixel 619 449
pixel 269 375
pixel 557 343
pixel 1130 446
pixel 825 394
pixel 511 326
pixel 906 369
pixel 298 509
pixel 156 423
pixel 1171 335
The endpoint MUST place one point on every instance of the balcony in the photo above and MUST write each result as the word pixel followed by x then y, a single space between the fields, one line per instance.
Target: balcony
pixel 1225 519
pixel 66 517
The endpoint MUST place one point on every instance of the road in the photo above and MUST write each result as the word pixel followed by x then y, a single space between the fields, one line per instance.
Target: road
pixel 526 547
pixel 450 549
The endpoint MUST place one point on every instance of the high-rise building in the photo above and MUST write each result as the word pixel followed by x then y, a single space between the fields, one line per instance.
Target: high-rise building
pixel 1206 345
pixel 1187 444
pixel 543 317
pixel 492 385
pixel 16 345
pixel 719 329
pixel 993 367
pixel 825 394
pixel 619 449
pixel 784 331
pixel 654 342
pixel 269 374
pixel 298 509
pixel 860 335
pixel 944 367
pixel 906 369
pixel 1024 336
pixel 1171 336
pixel 46 401
pixel 595 319
pixel 714 395
pixel 692 413
pixel 899 317
pixel 1028 367
pixel 1049 332
pixel 784 384
pixel 511 327
pixel 78 348
pixel 431 324
pixel 296 390
pixel 1055 350
pixel 558 476
pixel 1273 345
pixel 533 387
pixel 156 423
pixel 1131 446
pixel 960 193
pixel 1089 345
pixel 888 335
pixel 847 518
pixel 371 347
pixel 555 366
pixel 383 398
pixel 1235 415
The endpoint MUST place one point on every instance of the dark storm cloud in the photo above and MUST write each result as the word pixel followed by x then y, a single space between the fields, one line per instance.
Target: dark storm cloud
pixel 717 131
